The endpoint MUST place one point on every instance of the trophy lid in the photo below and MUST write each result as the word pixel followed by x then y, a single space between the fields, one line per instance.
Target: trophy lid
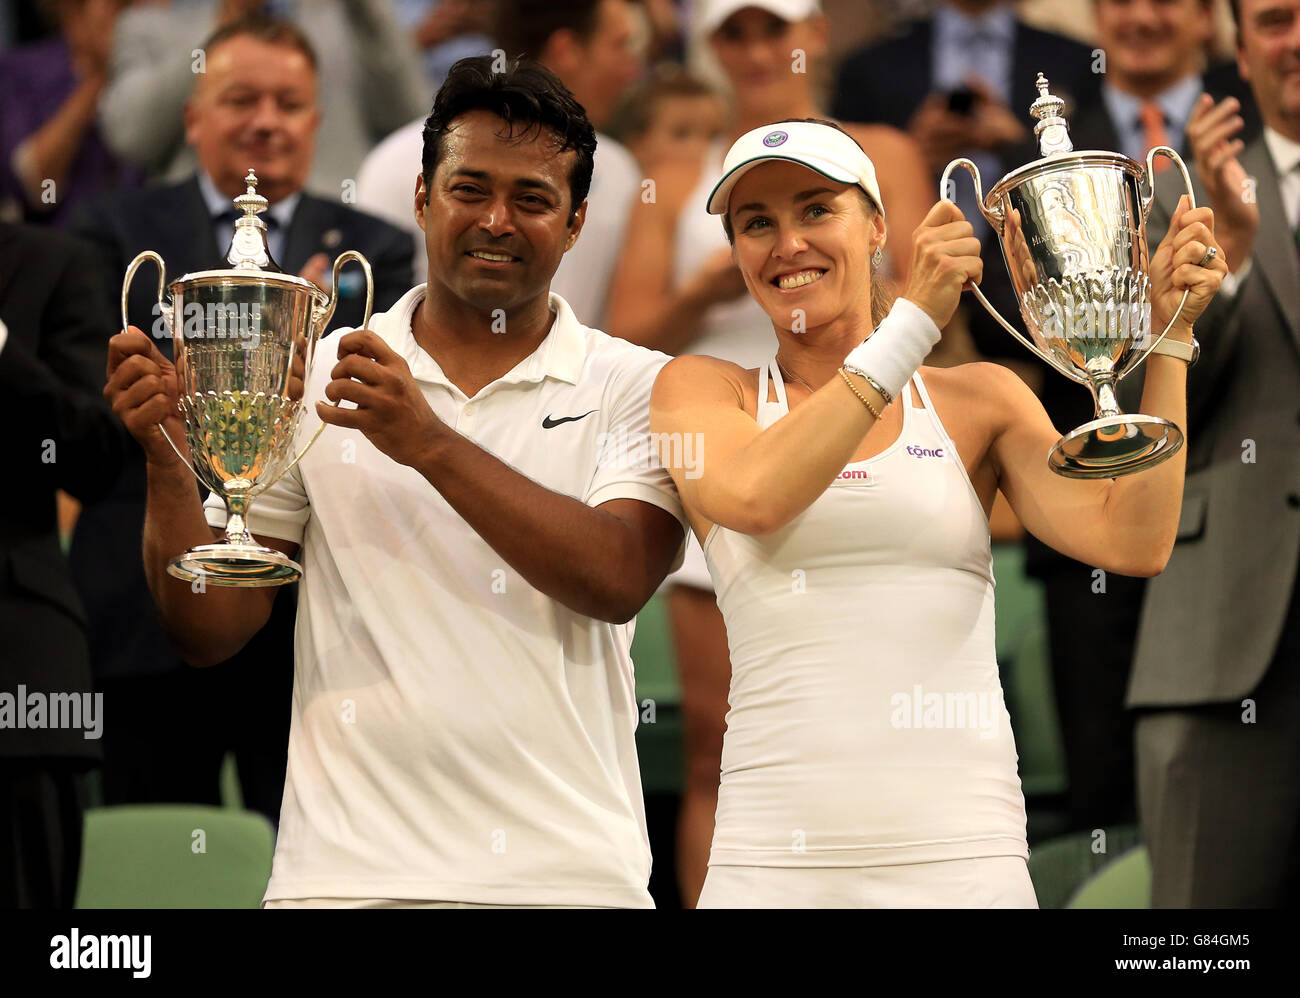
pixel 248 247
pixel 1056 149
pixel 1052 130
pixel 248 257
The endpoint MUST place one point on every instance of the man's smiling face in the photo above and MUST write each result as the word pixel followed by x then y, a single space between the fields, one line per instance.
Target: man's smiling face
pixel 496 214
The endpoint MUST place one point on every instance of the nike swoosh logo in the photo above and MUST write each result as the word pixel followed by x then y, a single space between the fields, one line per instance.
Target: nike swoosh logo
pixel 548 422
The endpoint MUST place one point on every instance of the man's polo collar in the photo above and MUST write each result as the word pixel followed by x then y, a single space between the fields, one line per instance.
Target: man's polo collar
pixel 560 355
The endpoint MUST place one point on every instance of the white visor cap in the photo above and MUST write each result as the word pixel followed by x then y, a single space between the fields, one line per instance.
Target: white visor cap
pixel 710 14
pixel 822 148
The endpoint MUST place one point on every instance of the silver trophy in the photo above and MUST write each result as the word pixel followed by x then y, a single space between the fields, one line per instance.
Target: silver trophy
pixel 1072 226
pixel 244 339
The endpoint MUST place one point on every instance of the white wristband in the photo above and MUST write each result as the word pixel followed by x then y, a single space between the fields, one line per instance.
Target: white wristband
pixel 896 349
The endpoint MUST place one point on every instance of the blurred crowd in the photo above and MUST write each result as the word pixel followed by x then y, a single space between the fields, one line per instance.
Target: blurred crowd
pixel 130 124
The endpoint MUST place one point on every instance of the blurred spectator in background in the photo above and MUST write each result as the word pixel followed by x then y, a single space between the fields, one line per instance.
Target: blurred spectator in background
pixel 673 117
pixel 664 21
pixel 961 84
pixel 59 434
pixel 21 23
pixel 370 81
pixel 51 152
pixel 677 289
pixel 1154 56
pixel 446 31
pixel 256 106
pixel 588 45
pixel 1217 669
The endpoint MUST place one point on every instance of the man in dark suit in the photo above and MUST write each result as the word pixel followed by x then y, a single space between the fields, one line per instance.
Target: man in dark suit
pixel 961 83
pixel 255 106
pixel 59 434
pixel 1217 668
pixel 1149 96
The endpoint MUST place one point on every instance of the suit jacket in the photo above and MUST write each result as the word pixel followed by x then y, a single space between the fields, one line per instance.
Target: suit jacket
pixel 1211 621
pixel 59 434
pixel 887 81
pixel 173 220
pixel 127 638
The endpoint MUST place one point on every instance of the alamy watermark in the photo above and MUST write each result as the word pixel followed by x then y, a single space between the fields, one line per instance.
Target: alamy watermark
pixel 922 709
pixel 102 952
pixel 240 321
pixel 622 449
pixel 34 711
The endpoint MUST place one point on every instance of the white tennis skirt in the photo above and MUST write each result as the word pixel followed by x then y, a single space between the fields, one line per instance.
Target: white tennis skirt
pixel 987 882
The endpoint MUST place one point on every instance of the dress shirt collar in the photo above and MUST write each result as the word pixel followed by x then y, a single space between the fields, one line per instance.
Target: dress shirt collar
pixel 1284 152
pixel 998 24
pixel 1176 102
pixel 218 204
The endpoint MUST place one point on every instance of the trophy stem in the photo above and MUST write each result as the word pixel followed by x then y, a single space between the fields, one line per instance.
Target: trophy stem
pixel 237 559
pixel 236 526
pixel 1107 403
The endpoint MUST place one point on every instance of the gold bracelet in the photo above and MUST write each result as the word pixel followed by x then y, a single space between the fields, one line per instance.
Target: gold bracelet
pixel 862 398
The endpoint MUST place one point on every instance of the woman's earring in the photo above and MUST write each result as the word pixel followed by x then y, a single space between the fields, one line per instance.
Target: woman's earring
pixel 877 257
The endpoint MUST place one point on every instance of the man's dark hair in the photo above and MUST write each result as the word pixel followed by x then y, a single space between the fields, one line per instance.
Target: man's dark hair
pixel 270 30
pixel 523 27
pixel 529 98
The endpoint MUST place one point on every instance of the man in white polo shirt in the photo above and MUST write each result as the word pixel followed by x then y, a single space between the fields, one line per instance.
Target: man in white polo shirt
pixel 477 530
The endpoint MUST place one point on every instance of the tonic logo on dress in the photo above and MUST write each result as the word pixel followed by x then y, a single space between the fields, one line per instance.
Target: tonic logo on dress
pixel 924 451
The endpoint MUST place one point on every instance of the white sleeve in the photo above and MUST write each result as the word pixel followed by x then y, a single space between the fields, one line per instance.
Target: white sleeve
pixel 281 511
pixel 628 465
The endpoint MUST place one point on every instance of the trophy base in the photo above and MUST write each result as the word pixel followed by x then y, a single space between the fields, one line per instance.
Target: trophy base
pixel 1115 445
pixel 239 565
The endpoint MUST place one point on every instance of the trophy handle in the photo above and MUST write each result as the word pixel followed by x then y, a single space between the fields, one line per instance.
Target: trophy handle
pixel 145 257
pixel 322 317
pixel 996 219
pixel 994 216
pixel 1147 201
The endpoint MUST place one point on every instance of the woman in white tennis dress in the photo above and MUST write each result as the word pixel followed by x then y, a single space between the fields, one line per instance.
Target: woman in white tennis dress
pixel 841 495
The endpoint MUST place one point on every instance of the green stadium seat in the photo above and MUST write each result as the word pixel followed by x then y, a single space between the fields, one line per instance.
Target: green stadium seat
pixel 1123 883
pixel 1032 705
pixel 231 794
pixel 1018 599
pixel 659 745
pixel 151 856
pixel 1059 867
pixel 1025 664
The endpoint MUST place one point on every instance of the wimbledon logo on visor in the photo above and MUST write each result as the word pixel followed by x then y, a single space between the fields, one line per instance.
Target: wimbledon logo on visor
pixel 774 139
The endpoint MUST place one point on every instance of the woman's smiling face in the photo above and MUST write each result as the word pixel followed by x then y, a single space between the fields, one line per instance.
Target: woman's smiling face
pixel 803 243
